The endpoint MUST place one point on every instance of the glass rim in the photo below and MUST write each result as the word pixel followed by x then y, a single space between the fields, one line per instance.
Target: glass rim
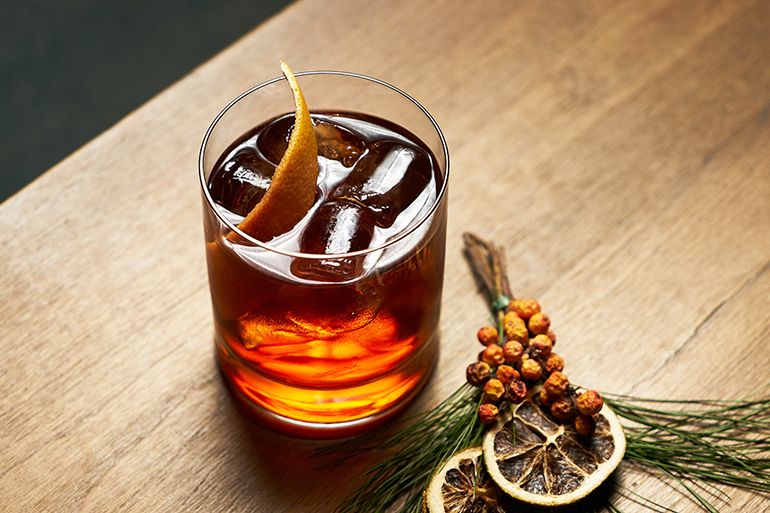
pixel 315 256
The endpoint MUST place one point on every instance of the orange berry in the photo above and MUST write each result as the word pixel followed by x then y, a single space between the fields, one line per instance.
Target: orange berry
pixel 525 308
pixel 545 399
pixel 556 384
pixel 539 323
pixel 554 363
pixel 493 391
pixel 488 413
pixel 506 373
pixel 531 369
pixel 562 409
pixel 542 343
pixel 512 317
pixel 517 391
pixel 517 332
pixel 493 355
pixel 512 351
pixel 590 402
pixel 488 335
pixel 478 373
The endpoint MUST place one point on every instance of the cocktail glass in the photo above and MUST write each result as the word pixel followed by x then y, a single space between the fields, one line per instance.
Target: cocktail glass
pixel 333 352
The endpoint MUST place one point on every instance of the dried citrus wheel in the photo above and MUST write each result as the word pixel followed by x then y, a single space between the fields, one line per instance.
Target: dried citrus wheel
pixel 292 188
pixel 463 485
pixel 546 462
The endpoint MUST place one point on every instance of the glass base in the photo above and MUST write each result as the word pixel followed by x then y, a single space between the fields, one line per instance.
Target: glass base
pixel 325 413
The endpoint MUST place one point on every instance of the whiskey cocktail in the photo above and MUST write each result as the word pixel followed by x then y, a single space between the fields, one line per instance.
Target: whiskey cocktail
pixel 332 326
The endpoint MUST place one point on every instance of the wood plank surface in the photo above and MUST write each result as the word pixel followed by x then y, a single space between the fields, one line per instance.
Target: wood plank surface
pixel 620 151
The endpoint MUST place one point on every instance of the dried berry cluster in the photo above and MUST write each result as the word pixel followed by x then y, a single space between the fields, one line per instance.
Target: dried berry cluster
pixel 510 366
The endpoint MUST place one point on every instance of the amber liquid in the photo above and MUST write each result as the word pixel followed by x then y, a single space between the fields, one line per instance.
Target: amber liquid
pixel 335 343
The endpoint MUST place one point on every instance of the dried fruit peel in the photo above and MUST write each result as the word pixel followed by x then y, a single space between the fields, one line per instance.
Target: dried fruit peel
pixel 462 484
pixel 540 433
pixel 292 188
pixel 288 199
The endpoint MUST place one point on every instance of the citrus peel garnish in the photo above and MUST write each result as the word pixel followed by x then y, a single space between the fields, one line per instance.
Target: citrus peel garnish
pixel 546 462
pixel 292 189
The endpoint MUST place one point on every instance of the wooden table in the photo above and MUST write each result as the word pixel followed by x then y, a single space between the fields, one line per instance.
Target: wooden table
pixel 620 151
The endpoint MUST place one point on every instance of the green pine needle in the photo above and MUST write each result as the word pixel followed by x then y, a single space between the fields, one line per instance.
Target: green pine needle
pixel 711 443
pixel 697 444
pixel 706 443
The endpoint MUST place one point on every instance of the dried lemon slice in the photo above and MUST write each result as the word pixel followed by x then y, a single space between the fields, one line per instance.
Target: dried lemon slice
pixel 292 189
pixel 547 463
pixel 463 485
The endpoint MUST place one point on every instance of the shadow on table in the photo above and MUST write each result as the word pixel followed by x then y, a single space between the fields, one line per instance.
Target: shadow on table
pixel 291 470
pixel 288 468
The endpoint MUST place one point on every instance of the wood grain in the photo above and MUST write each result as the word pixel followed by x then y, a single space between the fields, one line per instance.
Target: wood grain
pixel 620 151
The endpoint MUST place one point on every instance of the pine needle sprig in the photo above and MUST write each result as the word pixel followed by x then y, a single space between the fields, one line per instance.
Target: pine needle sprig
pixel 711 442
pixel 699 445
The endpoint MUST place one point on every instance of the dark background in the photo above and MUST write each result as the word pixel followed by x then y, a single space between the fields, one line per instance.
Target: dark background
pixel 70 69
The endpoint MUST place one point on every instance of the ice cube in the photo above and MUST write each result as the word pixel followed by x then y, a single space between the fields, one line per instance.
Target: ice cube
pixel 337 227
pixel 386 180
pixel 331 311
pixel 240 182
pixel 338 143
pixel 272 143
